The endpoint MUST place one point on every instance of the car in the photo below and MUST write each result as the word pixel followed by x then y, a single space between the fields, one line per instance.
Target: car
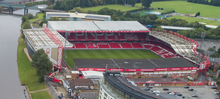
pixel 146 89
pixel 168 92
pixel 150 87
pixel 183 96
pixel 190 89
pixel 213 87
pixel 155 91
pixel 217 93
pixel 186 87
pixel 194 95
pixel 171 93
pixel 166 89
pixel 178 94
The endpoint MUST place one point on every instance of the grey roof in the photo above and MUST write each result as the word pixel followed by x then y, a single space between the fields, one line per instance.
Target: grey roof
pixel 176 28
pixel 97 17
pixel 96 26
pixel 73 25
pixel 120 25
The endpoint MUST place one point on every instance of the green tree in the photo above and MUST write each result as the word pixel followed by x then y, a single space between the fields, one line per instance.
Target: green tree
pixel 42 22
pixel 132 2
pixel 42 64
pixel 0 8
pixel 215 55
pixel 54 19
pixel 219 50
pixel 63 19
pixel 146 3
pixel 30 16
pixel 26 25
pixel 24 18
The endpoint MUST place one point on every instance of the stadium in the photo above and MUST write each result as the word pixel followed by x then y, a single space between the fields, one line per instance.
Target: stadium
pixel 99 46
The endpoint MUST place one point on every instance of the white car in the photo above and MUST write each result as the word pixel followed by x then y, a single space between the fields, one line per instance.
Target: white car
pixel 155 91
pixel 171 93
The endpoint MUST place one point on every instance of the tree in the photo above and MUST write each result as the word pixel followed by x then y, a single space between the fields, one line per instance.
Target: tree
pixel 26 25
pixel 42 64
pixel 54 19
pixel 197 14
pixel 63 19
pixel 24 18
pixel 42 22
pixel 132 2
pixel 219 50
pixel 0 8
pixel 146 3
pixel 30 16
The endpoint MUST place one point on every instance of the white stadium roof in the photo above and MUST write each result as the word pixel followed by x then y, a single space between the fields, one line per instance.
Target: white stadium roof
pixel 176 28
pixel 96 26
pixel 38 38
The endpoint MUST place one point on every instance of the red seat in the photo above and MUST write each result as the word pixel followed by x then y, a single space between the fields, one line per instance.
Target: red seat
pixel 80 46
pixel 90 36
pixel 126 45
pixel 103 45
pixel 137 45
pixel 114 45
pixel 92 46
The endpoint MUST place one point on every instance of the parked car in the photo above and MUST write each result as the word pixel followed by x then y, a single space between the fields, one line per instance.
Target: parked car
pixel 186 87
pixel 155 91
pixel 171 93
pixel 183 97
pixel 168 92
pixel 190 89
pixel 217 93
pixel 213 87
pixel 178 94
pixel 166 89
pixel 146 89
pixel 150 87
pixel 194 95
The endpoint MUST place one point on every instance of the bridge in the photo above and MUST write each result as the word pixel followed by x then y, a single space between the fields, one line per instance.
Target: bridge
pixel 19 5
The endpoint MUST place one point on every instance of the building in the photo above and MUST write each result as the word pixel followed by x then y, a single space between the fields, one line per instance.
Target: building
pixel 36 39
pixel 140 68
pixel 79 84
pixel 78 16
pixel 115 86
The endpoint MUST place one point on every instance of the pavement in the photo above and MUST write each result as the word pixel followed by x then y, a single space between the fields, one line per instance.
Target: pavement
pixel 203 92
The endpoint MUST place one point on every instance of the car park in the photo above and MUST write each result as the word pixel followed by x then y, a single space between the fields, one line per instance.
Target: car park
pixel 186 87
pixel 190 89
pixel 165 89
pixel 146 89
pixel 194 95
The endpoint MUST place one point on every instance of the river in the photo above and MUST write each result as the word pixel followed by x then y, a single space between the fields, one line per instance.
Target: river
pixel 10 86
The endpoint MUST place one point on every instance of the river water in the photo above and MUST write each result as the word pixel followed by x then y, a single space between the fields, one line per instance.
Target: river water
pixel 10 86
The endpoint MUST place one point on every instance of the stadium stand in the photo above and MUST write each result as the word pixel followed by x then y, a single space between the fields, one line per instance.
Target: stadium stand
pixel 80 46
pixel 141 36
pixel 114 45
pixel 126 45
pixel 101 36
pixel 103 45
pixel 137 45
pixel 110 36
pixel 120 35
pixel 92 46
pixel 80 36
pixel 91 36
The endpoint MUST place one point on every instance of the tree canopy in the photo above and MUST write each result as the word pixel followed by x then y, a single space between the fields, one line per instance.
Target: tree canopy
pixel 146 3
pixel 41 62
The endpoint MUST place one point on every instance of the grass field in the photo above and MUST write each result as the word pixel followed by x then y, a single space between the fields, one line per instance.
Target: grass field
pixel 114 6
pixel 184 7
pixel 191 19
pixel 40 95
pixel 106 54
pixel 40 16
pixel 27 73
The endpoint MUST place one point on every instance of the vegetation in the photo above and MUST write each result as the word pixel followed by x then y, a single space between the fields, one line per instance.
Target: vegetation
pixel 187 7
pixel 42 64
pixel 192 19
pixel 27 73
pixel 40 95
pixel 146 3
pixel 216 53
pixel 39 17
pixel 106 54
pixel 212 2
pixel 0 8
pixel 36 3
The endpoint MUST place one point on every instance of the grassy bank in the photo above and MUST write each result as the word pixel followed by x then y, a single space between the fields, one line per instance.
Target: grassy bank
pixel 106 54
pixel 192 19
pixel 40 16
pixel 27 73
pixel 187 7
pixel 113 6
pixel 40 95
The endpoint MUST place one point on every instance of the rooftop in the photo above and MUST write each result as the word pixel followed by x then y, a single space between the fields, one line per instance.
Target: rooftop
pixel 79 15
pixel 133 63
pixel 123 85
pixel 96 26
pixel 38 38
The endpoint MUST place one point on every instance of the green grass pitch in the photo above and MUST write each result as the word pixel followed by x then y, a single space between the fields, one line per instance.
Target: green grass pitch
pixel 106 54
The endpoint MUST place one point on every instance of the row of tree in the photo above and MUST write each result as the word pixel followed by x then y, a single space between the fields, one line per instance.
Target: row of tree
pixel 70 4
pixel 216 53
pixel 212 2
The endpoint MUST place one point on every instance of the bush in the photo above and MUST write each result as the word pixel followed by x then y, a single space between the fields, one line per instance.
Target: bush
pixel 30 16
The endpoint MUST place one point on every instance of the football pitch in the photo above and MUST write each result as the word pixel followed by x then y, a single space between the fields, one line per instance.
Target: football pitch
pixel 106 54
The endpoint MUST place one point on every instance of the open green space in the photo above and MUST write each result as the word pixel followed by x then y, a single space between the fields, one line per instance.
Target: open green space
pixel 106 54
pixel 192 19
pixel 113 6
pixel 40 95
pixel 184 7
pixel 27 73
pixel 40 16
